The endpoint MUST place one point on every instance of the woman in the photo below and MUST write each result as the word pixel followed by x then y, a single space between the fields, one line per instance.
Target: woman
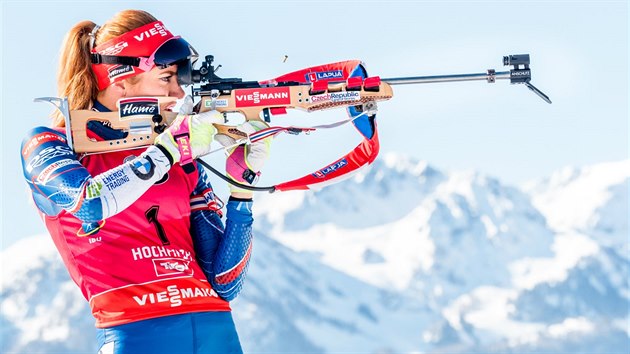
pixel 140 230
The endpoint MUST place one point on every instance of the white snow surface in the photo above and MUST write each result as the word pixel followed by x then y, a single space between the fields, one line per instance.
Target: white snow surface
pixel 593 199
pixel 402 258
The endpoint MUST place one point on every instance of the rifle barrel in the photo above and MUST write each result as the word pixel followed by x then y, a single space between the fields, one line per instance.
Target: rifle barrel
pixel 490 77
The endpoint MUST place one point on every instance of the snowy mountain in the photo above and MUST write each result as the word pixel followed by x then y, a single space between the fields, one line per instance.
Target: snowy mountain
pixel 41 309
pixel 402 258
pixel 593 200
pixel 402 224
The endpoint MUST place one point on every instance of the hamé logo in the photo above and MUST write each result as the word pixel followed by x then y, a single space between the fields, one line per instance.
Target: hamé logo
pixel 138 106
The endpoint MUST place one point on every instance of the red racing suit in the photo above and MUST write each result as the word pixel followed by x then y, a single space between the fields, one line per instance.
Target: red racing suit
pixel 140 237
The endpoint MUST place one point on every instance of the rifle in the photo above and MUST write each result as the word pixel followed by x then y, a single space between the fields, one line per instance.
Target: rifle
pixel 343 84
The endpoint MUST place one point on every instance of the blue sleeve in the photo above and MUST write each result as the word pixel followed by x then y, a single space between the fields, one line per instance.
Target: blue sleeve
pixel 223 252
pixel 59 181
pixel 56 177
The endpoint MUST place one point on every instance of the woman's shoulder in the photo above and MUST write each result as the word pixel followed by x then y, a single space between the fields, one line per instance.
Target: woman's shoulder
pixel 41 135
pixel 42 142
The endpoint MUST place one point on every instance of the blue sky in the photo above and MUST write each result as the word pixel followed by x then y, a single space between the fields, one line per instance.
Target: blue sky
pixel 579 52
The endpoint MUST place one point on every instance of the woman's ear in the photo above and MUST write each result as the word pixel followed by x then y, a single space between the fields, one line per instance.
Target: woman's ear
pixel 119 89
pixel 110 96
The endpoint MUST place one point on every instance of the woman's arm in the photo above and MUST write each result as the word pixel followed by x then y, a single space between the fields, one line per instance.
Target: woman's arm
pixel 59 181
pixel 222 252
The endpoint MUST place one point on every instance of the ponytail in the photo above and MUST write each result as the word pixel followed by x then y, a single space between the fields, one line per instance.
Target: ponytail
pixel 75 78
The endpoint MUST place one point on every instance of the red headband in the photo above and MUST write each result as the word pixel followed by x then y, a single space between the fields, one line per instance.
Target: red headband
pixel 141 42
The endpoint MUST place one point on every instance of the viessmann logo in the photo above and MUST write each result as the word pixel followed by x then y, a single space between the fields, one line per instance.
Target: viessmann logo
pixel 40 139
pixel 263 97
pixel 174 295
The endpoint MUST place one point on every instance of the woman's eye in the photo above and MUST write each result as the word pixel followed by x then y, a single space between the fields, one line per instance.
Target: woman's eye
pixel 166 78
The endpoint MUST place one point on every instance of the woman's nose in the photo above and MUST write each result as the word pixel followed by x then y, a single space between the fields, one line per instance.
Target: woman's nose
pixel 176 91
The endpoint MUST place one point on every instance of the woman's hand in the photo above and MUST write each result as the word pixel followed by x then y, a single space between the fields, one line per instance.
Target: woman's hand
pixel 190 135
pixel 244 162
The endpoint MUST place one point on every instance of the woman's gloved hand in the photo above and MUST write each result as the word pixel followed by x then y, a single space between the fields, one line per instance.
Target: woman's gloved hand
pixel 244 162
pixel 190 135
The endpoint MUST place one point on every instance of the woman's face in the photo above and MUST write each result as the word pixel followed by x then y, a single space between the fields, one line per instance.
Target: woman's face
pixel 157 82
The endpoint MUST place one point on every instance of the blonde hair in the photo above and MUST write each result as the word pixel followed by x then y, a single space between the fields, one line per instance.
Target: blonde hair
pixel 75 78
